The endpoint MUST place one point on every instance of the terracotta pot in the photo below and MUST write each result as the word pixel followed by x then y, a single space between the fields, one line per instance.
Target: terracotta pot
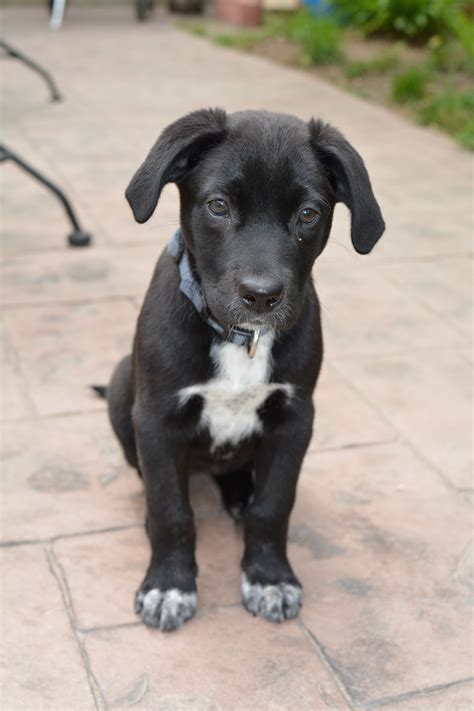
pixel 247 13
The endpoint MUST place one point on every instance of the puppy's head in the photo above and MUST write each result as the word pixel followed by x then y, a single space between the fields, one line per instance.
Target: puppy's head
pixel 257 196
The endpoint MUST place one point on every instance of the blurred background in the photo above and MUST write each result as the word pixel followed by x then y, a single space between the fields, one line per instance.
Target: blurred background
pixel 417 55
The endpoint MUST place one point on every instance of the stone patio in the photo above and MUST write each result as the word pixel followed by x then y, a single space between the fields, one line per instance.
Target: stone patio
pixel 381 530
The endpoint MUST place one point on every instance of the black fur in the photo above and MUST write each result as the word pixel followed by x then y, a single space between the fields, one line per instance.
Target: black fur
pixel 266 168
pixel 236 489
pixel 100 390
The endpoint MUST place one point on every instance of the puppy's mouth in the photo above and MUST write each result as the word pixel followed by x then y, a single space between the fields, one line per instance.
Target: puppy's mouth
pixel 260 323
pixel 280 319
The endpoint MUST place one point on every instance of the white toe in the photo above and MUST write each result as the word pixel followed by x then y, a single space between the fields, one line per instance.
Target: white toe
pixel 167 609
pixel 273 602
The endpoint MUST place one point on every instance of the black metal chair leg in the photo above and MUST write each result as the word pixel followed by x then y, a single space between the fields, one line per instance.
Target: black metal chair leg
pixel 16 54
pixel 78 237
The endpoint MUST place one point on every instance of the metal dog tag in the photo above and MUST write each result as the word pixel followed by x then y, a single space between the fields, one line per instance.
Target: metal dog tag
pixel 253 343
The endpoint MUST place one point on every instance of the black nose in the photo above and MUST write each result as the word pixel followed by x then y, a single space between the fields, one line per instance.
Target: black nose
pixel 261 294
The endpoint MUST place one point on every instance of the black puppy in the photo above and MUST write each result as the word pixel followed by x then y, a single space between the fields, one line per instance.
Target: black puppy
pixel 228 345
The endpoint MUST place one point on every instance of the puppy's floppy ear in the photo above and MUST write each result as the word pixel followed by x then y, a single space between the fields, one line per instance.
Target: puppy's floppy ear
pixel 351 184
pixel 176 151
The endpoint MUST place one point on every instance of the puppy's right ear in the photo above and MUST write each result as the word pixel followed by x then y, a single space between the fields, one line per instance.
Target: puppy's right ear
pixel 176 151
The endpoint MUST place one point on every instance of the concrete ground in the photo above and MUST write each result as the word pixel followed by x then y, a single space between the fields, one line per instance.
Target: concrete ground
pixel 381 531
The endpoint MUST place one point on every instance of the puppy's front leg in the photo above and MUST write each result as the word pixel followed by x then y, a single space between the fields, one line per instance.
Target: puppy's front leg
pixel 269 587
pixel 167 596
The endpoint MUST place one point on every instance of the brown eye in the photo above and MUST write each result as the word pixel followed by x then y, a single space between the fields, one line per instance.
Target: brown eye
pixel 218 208
pixel 308 216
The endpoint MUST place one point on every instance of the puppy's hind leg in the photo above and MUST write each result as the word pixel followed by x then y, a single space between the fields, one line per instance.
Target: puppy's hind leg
pixel 119 394
pixel 236 490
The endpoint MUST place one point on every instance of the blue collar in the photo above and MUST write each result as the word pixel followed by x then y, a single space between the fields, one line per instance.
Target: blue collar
pixel 191 288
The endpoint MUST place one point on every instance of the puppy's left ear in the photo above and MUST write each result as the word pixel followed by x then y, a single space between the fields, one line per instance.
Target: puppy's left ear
pixel 176 151
pixel 351 184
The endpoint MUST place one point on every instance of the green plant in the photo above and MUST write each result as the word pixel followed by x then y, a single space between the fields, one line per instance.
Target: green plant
pixel 239 40
pixel 409 18
pixel 452 112
pixel 275 23
pixel 380 65
pixel 410 85
pixel 354 70
pixel 448 55
pixel 195 28
pixel 385 62
pixel 462 28
pixel 465 135
pixel 320 37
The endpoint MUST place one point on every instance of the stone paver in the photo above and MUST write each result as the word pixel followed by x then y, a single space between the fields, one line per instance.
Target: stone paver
pixel 364 314
pixel 375 538
pixel 224 660
pixel 65 475
pixel 382 530
pixel 42 667
pixel 74 346
pixel 426 280
pixel 343 417
pixel 121 271
pixel 16 402
pixel 429 398
pixel 456 698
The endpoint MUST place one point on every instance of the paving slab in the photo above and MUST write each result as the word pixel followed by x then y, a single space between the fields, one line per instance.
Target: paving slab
pixel 63 349
pixel 65 475
pixel 76 275
pixel 444 286
pixel 428 398
pixel 42 667
pixel 16 399
pixel 343 417
pixel 363 314
pixel 223 660
pixel 455 698
pixel 377 539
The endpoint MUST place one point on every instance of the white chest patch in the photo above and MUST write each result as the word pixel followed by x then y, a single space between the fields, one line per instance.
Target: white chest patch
pixel 240 386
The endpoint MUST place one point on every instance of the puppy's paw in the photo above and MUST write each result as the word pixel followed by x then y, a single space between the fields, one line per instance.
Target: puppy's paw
pixel 166 609
pixel 273 602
